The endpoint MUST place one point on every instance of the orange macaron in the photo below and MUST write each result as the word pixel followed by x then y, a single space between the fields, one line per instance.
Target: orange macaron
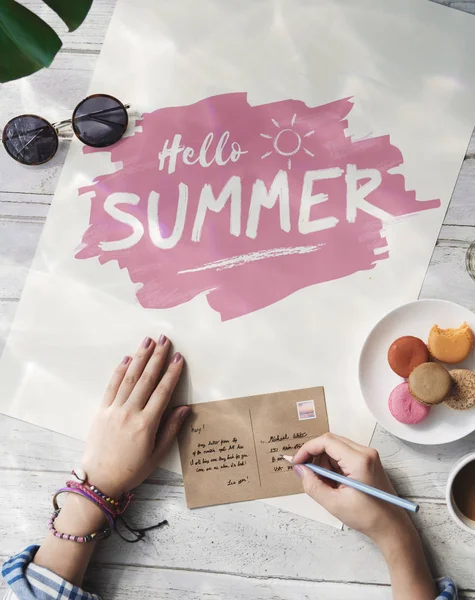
pixel 450 345
pixel 406 353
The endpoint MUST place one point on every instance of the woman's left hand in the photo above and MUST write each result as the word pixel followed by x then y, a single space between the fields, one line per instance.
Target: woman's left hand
pixel 128 438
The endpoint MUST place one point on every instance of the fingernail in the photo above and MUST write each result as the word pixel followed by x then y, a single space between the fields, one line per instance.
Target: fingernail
pixel 125 360
pixel 146 343
pixel 162 340
pixel 176 357
pixel 184 412
pixel 298 471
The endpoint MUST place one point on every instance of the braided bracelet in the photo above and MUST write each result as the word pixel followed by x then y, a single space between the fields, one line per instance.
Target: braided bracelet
pixel 111 508
pixel 109 516
pixel 117 507
pixel 80 539
pixel 82 490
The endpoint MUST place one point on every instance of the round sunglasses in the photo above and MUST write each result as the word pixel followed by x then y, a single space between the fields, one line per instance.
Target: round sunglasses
pixel 99 120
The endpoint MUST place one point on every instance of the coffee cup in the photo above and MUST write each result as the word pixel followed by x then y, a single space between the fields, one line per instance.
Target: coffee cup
pixel 460 493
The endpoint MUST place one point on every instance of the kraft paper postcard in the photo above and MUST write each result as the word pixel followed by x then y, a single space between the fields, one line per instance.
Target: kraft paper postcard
pixel 230 450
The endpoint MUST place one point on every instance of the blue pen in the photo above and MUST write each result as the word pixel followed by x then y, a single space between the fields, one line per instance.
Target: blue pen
pixel 357 485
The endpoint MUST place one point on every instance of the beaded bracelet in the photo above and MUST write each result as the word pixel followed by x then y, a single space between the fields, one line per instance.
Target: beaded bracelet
pixel 80 539
pixel 110 517
pixel 111 508
pixel 116 506
pixel 86 492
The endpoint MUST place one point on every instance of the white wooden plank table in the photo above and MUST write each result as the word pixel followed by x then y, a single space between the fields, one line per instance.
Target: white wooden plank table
pixel 240 551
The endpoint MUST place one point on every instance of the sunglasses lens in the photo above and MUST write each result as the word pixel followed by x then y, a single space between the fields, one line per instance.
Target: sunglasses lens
pixel 100 121
pixel 30 140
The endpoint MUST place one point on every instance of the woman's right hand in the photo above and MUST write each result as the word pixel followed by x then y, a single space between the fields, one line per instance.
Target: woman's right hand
pixel 375 518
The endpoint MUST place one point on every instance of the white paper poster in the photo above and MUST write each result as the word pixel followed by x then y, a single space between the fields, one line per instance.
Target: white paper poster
pixel 281 187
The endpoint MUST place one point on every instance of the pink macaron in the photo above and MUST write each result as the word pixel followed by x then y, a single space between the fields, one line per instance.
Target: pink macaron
pixel 404 408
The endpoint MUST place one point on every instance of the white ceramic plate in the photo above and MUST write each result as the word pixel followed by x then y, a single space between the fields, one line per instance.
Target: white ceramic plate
pixel 443 424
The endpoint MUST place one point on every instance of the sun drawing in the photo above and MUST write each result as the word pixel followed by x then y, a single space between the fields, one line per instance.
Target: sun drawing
pixel 287 142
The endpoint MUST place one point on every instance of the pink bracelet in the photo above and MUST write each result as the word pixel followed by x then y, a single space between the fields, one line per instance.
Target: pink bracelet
pixel 111 508
pixel 109 516
pixel 80 539
pixel 116 507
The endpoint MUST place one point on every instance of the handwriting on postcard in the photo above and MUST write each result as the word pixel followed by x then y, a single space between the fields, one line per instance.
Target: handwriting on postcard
pixel 217 454
pixel 231 450
pixel 290 446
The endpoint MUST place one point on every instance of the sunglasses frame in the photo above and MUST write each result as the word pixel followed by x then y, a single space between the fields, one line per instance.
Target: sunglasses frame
pixel 124 106
pixel 56 126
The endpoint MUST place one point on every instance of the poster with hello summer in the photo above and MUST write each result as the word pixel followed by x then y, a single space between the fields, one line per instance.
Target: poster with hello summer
pixel 283 180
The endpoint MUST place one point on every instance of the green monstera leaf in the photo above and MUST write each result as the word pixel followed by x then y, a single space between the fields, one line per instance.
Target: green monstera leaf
pixel 27 43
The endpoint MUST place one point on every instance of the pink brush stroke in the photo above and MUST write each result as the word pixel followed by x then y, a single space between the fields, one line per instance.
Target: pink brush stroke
pixel 168 277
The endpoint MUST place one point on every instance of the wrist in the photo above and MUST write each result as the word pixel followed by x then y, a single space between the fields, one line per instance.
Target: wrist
pixel 403 547
pixel 105 484
pixel 69 560
pixel 398 536
pixel 407 564
pixel 80 516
